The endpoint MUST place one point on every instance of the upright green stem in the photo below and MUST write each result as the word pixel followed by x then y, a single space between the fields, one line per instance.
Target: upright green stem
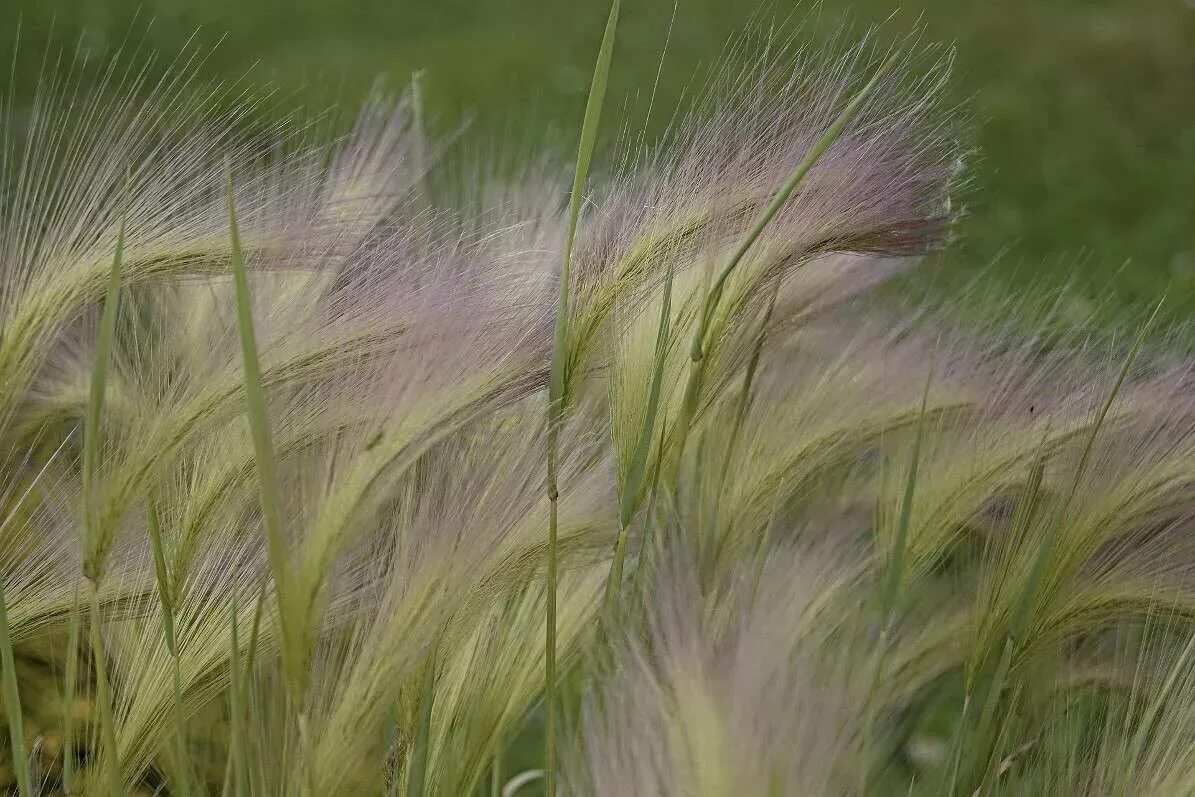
pixel 103 697
pixel 94 545
pixel 556 387
pixel 642 562
pixel 236 709
pixel 295 632
pixel 550 617
pixel 12 703
pixel 68 705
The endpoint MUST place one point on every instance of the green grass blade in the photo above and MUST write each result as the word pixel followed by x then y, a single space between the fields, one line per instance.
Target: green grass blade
pixel 263 449
pixel 417 122
pixel 982 681
pixel 987 715
pixel 956 754
pixel 12 703
pixel 94 548
pixel 589 128
pixel 996 760
pixel 254 633
pixel 556 398
pixel 165 593
pixel 896 566
pixel 647 540
pixel 632 488
pixel 892 581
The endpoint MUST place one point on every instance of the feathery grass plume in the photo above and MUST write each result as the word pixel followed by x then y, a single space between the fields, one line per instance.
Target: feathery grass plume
pixel 456 547
pixel 60 217
pixel 1133 738
pixel 739 689
pixel 896 152
pixel 404 352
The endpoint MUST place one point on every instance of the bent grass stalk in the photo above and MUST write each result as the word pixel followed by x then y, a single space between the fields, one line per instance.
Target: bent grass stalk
pixel 698 348
pixel 557 384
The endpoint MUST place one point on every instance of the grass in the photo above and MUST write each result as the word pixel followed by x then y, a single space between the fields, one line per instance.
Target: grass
pixel 1081 113
pixel 875 549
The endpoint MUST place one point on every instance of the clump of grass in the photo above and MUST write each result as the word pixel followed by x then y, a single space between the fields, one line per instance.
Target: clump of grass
pixel 872 550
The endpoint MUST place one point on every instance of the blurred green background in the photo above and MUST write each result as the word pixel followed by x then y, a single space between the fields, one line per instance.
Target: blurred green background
pixel 1083 110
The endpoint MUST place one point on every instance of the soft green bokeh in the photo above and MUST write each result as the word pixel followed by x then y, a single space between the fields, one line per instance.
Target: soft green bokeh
pixel 1084 110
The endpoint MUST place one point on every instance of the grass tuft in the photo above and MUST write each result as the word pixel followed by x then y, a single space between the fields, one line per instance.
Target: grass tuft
pixel 874 546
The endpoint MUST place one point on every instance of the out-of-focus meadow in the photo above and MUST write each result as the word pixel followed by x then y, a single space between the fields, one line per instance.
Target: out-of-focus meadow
pixel 1082 112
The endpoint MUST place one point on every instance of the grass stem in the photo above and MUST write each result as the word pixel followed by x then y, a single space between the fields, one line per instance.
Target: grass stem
pixel 556 387
pixel 12 704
